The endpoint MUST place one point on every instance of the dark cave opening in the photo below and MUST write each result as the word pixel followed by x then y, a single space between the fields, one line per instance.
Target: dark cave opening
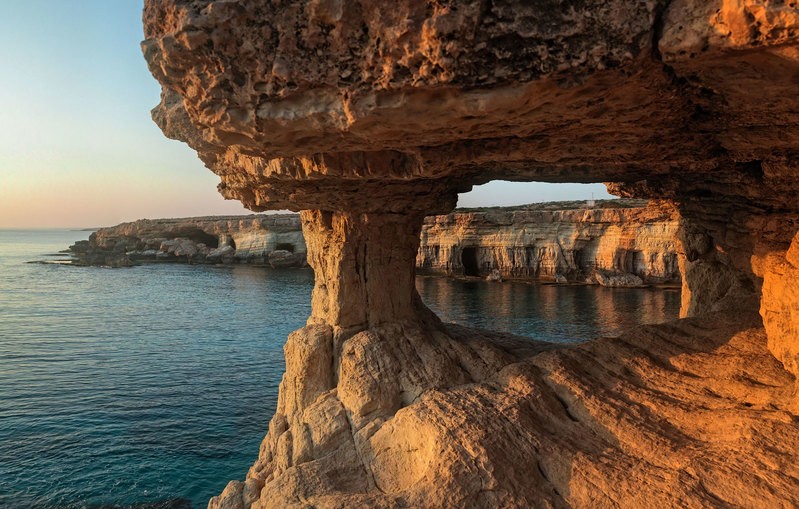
pixel 469 261
pixel 201 237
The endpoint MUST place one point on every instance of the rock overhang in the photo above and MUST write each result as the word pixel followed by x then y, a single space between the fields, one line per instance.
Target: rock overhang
pixel 292 102
pixel 355 109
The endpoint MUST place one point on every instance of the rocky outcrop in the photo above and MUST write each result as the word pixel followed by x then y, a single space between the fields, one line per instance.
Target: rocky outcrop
pixel 616 243
pixel 274 240
pixel 520 424
pixel 368 119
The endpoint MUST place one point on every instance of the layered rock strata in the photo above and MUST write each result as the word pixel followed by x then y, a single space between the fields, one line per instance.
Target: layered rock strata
pixel 369 118
pixel 274 240
pixel 600 243
pixel 605 243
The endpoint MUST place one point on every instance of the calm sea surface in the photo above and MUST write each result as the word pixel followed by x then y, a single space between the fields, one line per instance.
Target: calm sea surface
pixel 122 386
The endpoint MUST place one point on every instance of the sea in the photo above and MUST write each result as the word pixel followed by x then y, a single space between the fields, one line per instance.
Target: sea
pixel 153 386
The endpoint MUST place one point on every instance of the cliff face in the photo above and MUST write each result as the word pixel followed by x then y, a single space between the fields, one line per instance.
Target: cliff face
pixel 266 239
pixel 367 119
pixel 561 245
pixel 554 241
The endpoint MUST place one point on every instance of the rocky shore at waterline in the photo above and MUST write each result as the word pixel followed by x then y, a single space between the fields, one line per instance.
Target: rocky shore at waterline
pixel 273 240
pixel 612 243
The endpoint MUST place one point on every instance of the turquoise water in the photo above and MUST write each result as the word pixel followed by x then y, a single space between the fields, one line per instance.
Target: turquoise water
pixel 123 386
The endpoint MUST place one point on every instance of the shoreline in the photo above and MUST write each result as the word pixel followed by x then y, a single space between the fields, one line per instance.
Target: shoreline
pixel 614 243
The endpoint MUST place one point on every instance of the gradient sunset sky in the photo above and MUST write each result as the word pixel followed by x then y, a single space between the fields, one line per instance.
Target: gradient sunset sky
pixel 77 145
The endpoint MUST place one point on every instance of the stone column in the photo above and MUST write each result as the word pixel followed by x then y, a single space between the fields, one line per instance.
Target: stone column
pixel 224 240
pixel 364 265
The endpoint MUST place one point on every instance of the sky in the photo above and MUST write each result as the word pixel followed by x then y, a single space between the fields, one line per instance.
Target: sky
pixel 78 147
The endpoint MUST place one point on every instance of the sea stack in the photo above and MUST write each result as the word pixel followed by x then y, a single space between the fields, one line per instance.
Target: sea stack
pixel 368 116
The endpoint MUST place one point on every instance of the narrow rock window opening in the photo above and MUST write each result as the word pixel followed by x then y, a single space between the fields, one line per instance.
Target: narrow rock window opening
pixel 469 261
pixel 285 246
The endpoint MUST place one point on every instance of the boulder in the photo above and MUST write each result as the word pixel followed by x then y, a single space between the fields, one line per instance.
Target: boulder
pixel 617 279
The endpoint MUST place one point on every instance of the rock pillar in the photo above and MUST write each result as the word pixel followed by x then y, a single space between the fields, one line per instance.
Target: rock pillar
pixel 370 348
pixel 737 260
pixel 364 265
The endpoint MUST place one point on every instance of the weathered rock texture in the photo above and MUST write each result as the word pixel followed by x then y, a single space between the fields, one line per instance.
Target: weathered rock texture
pixel 274 240
pixel 780 307
pixel 559 241
pixel 368 117
pixel 686 415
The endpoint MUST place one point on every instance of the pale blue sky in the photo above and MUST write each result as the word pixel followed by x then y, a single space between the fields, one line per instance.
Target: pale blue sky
pixel 77 145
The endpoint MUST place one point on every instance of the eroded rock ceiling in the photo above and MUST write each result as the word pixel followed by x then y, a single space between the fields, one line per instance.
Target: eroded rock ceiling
pixel 292 102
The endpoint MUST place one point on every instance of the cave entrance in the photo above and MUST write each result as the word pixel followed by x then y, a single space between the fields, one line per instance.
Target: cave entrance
pixel 285 246
pixel 469 261
pixel 201 237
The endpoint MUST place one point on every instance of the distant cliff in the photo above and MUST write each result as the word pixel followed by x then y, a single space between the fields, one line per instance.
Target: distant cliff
pixel 616 243
pixel 268 239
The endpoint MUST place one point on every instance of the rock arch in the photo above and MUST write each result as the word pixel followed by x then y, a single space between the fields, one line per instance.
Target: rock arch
pixel 368 119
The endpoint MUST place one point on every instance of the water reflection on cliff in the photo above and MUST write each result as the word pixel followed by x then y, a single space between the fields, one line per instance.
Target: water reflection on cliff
pixel 548 312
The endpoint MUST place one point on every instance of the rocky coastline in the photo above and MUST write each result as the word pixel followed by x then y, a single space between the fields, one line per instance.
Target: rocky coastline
pixel 274 240
pixel 612 243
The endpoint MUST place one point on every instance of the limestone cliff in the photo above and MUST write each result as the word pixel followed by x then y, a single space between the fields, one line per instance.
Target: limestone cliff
pixel 275 240
pixel 567 241
pixel 558 241
pixel 368 118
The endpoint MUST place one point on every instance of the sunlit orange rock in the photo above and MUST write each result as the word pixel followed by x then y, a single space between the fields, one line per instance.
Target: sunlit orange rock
pixel 368 116
pixel 780 307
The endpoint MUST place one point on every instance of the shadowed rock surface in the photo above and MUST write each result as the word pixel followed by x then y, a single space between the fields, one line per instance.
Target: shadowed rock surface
pixel 368 119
